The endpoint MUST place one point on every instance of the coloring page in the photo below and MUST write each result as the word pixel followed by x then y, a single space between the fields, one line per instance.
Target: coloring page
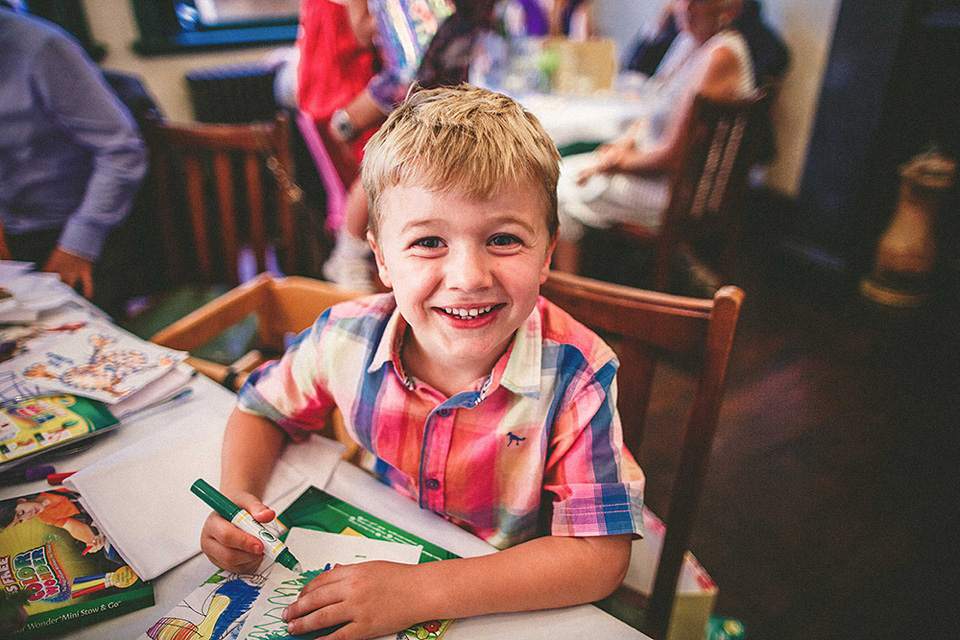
pixel 97 361
pixel 214 611
pixel 17 340
pixel 317 551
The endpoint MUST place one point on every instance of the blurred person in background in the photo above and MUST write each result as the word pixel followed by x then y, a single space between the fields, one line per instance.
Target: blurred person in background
pixel 71 155
pixel 626 179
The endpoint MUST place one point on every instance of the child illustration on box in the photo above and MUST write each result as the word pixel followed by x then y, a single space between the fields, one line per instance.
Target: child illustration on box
pixel 477 398
pixel 57 509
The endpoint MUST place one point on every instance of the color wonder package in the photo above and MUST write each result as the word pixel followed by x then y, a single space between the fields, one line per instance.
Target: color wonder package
pixel 50 548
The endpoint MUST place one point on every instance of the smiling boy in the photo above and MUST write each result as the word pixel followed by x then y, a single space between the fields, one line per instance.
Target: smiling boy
pixel 480 400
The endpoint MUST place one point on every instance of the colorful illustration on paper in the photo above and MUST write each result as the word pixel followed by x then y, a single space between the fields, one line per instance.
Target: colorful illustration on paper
pixel 281 590
pixel 17 340
pixel 30 425
pixel 431 630
pixel 215 611
pixel 99 364
pixel 13 386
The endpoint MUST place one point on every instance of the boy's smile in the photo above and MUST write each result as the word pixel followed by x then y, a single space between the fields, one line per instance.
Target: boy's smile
pixel 466 274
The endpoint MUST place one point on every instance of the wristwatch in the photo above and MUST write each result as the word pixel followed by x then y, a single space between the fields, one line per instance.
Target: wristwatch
pixel 342 127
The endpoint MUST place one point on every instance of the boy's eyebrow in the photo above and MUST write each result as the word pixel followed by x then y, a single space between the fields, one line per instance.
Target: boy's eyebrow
pixel 413 225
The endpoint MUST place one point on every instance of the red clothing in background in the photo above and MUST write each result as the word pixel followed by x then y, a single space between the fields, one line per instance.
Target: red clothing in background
pixel 334 68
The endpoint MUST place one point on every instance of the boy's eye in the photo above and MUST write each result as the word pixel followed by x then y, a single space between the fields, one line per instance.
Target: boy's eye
pixel 431 242
pixel 504 240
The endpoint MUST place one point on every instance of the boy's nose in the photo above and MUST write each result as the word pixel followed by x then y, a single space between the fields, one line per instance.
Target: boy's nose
pixel 468 270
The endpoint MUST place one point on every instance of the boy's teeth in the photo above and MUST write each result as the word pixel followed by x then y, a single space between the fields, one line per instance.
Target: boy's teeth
pixel 467 313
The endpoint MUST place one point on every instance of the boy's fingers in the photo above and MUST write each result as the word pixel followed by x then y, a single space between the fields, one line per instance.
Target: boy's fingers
pixel 324 579
pixel 228 535
pixel 253 506
pixel 333 615
pixel 313 596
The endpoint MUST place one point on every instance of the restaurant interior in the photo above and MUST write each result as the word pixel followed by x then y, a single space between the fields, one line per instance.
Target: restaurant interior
pixel 829 492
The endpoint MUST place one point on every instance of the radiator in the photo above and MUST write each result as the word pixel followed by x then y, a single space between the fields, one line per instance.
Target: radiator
pixel 232 93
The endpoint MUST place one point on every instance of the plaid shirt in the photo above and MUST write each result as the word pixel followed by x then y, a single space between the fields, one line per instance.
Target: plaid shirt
pixel 542 427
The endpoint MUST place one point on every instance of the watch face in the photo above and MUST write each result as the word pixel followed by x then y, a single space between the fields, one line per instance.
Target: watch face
pixel 343 126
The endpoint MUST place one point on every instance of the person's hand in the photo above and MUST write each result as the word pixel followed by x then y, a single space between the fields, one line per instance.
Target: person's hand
pixel 369 599
pixel 229 547
pixel 72 269
pixel 96 543
pixel 608 160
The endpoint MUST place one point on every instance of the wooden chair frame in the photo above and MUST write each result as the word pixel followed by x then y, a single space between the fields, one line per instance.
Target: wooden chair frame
pixel 708 183
pixel 218 232
pixel 4 249
pixel 648 326
pixel 281 305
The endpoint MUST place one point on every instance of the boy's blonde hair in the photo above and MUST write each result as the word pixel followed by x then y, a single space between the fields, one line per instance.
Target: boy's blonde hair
pixel 462 140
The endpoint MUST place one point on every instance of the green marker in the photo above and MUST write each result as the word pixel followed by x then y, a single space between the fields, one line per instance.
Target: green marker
pixel 272 546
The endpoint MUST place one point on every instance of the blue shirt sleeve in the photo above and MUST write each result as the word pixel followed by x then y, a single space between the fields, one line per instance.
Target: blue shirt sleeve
pixel 74 95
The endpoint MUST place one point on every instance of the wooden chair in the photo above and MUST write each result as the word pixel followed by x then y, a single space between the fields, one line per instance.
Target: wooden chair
pixel 645 327
pixel 223 190
pixel 4 249
pixel 282 307
pixel 707 184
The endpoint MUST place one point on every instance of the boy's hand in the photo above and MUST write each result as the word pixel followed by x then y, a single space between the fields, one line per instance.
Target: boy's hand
pixel 227 546
pixel 370 599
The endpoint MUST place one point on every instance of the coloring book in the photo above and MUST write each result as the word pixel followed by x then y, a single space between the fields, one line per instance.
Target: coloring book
pixel 35 425
pixel 50 548
pixel 96 360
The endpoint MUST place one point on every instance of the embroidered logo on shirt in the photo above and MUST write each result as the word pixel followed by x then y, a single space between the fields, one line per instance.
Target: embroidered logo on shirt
pixel 514 439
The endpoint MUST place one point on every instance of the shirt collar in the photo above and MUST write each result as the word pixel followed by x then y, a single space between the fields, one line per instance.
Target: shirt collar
pixel 390 342
pixel 522 371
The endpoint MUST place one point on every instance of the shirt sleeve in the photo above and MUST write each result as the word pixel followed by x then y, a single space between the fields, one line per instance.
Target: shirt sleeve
pixel 387 90
pixel 74 94
pixel 291 391
pixel 598 486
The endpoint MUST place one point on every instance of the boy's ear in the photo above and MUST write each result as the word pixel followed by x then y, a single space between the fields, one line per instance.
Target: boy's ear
pixel 545 269
pixel 381 265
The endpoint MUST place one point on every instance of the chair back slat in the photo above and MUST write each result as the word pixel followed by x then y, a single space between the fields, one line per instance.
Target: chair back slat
pixel 232 201
pixel 258 220
pixel 197 204
pixel 287 229
pixel 173 252
pixel 223 177
pixel 647 330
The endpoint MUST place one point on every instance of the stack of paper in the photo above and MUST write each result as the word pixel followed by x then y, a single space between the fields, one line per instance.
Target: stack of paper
pixel 140 496
pixel 54 341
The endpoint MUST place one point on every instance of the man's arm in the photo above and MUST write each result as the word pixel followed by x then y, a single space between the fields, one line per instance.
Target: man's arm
pixel 74 94
pixel 376 598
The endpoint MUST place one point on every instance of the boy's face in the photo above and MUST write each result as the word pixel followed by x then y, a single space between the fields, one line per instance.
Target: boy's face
pixel 465 273
pixel 25 510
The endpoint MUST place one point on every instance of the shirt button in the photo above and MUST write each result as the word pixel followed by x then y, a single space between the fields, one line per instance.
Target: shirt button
pixel 432 483
pixel 443 413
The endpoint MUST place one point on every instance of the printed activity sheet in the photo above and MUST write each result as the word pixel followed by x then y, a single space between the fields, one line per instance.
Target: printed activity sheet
pixel 97 361
pixel 220 608
pixel 317 551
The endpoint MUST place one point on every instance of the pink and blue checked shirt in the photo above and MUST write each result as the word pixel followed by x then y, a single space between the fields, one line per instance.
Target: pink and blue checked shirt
pixel 534 448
